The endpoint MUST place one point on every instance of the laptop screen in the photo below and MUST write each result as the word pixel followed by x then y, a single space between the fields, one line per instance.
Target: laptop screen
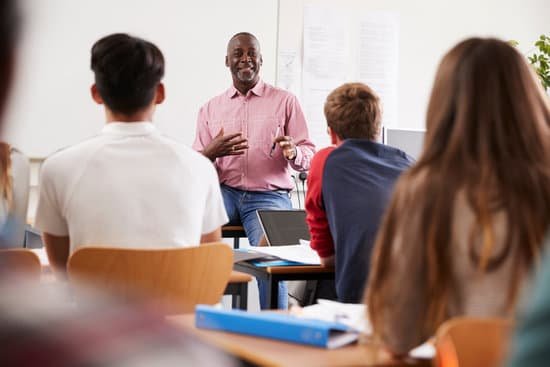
pixel 284 227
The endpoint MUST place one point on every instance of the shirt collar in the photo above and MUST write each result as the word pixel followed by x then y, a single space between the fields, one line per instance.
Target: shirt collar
pixel 129 128
pixel 258 90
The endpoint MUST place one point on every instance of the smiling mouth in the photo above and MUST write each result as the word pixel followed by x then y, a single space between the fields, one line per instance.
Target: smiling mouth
pixel 246 68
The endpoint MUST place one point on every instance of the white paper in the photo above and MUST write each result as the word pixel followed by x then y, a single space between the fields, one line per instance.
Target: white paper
pixel 299 253
pixel 326 64
pixel 340 47
pixel 349 314
pixel 378 46
pixel 288 71
pixel 424 351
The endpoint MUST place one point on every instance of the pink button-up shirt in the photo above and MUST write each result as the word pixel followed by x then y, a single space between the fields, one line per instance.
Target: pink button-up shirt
pixel 257 116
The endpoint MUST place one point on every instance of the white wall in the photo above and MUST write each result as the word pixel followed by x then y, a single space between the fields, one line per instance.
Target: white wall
pixel 51 107
pixel 428 28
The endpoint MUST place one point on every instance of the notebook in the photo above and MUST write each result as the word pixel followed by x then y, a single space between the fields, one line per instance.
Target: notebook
pixel 279 326
pixel 284 227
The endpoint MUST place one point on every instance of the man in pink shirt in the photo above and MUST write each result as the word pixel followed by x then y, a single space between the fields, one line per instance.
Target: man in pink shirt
pixel 254 133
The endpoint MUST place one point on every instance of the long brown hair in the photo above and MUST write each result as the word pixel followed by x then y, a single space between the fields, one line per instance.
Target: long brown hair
pixel 488 137
pixel 6 181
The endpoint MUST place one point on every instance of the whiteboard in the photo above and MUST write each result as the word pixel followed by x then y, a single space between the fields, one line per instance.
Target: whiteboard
pixel 51 105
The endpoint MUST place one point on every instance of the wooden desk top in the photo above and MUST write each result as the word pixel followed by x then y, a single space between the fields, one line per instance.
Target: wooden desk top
pixel 267 352
pixel 302 269
pixel 299 269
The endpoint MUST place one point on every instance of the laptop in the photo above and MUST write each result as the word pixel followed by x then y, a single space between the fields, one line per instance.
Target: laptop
pixel 283 227
pixel 409 141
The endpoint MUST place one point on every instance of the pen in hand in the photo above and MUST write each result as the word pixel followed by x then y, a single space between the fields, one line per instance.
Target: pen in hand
pixel 274 143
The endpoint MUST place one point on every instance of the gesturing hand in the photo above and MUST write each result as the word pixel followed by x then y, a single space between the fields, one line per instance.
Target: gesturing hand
pixel 223 145
pixel 287 146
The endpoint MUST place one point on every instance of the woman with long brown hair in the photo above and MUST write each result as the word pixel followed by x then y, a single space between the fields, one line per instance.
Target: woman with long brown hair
pixel 466 223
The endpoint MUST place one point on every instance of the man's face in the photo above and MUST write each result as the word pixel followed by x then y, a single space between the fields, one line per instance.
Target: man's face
pixel 244 59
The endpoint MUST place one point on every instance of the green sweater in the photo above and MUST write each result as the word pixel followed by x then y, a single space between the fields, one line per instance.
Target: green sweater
pixel 531 344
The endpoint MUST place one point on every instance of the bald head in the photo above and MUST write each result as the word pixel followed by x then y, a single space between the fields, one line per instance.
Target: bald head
pixel 244 60
pixel 242 34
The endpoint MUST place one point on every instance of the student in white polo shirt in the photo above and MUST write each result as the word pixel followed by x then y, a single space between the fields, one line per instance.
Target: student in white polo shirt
pixel 129 186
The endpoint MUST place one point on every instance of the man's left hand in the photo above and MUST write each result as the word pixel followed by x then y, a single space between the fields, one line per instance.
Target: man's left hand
pixel 287 146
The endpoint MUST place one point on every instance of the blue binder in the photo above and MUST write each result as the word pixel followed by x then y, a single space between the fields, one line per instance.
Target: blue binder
pixel 276 326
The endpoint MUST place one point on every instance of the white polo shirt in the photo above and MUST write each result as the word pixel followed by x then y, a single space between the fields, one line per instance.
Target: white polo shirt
pixel 129 186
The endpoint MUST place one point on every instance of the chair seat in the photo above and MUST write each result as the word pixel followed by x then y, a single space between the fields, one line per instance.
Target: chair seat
pixel 233 231
pixel 239 277
pixel 22 261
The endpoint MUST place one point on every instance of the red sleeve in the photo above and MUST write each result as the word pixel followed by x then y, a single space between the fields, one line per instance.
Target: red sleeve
pixel 316 217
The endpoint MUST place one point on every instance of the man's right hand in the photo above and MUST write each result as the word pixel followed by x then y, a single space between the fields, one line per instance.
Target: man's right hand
pixel 223 145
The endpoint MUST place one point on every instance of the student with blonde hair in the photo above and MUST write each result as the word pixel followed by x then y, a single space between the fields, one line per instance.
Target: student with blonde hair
pixel 14 195
pixel 466 224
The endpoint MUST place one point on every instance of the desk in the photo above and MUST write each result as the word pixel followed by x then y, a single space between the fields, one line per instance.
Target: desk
pixel 275 274
pixel 267 352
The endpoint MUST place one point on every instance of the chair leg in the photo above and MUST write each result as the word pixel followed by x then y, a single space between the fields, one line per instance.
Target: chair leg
pixel 235 301
pixel 236 242
pixel 243 296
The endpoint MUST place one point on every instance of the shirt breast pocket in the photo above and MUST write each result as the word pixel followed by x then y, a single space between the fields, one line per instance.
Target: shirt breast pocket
pixel 262 131
pixel 230 126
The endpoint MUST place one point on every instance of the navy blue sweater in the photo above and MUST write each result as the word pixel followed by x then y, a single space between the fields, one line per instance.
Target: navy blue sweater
pixel 358 180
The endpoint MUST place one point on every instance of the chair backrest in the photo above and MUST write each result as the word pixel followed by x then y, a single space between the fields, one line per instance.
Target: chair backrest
pixel 21 261
pixel 469 342
pixel 179 277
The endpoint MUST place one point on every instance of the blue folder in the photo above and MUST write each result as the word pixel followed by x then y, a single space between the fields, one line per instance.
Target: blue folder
pixel 279 326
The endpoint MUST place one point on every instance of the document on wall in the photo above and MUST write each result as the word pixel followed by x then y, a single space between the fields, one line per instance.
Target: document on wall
pixel 378 46
pixel 342 46
pixel 288 71
pixel 326 63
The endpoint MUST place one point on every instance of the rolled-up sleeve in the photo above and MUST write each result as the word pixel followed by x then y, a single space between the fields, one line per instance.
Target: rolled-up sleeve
pixel 202 135
pixel 296 127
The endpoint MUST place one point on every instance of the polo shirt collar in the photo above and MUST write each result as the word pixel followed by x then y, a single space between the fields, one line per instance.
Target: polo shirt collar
pixel 129 128
pixel 258 90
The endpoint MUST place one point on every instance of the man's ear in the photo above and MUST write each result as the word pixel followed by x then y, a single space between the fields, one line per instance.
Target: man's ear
pixel 159 94
pixel 261 60
pixel 95 94
pixel 226 61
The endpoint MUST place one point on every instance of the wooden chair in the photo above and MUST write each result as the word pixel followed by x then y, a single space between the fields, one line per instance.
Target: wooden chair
pixel 237 287
pixel 472 342
pixel 179 277
pixel 22 261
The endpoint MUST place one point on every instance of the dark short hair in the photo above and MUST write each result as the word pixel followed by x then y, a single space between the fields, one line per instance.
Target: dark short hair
pixel 353 112
pixel 127 71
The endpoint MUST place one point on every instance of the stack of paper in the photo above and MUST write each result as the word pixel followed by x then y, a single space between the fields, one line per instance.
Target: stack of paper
pixel 298 253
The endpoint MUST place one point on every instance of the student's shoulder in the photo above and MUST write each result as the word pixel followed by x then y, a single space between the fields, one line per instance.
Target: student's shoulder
pixel 18 156
pixel 72 153
pixel 184 153
pixel 322 154
pixel 399 156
